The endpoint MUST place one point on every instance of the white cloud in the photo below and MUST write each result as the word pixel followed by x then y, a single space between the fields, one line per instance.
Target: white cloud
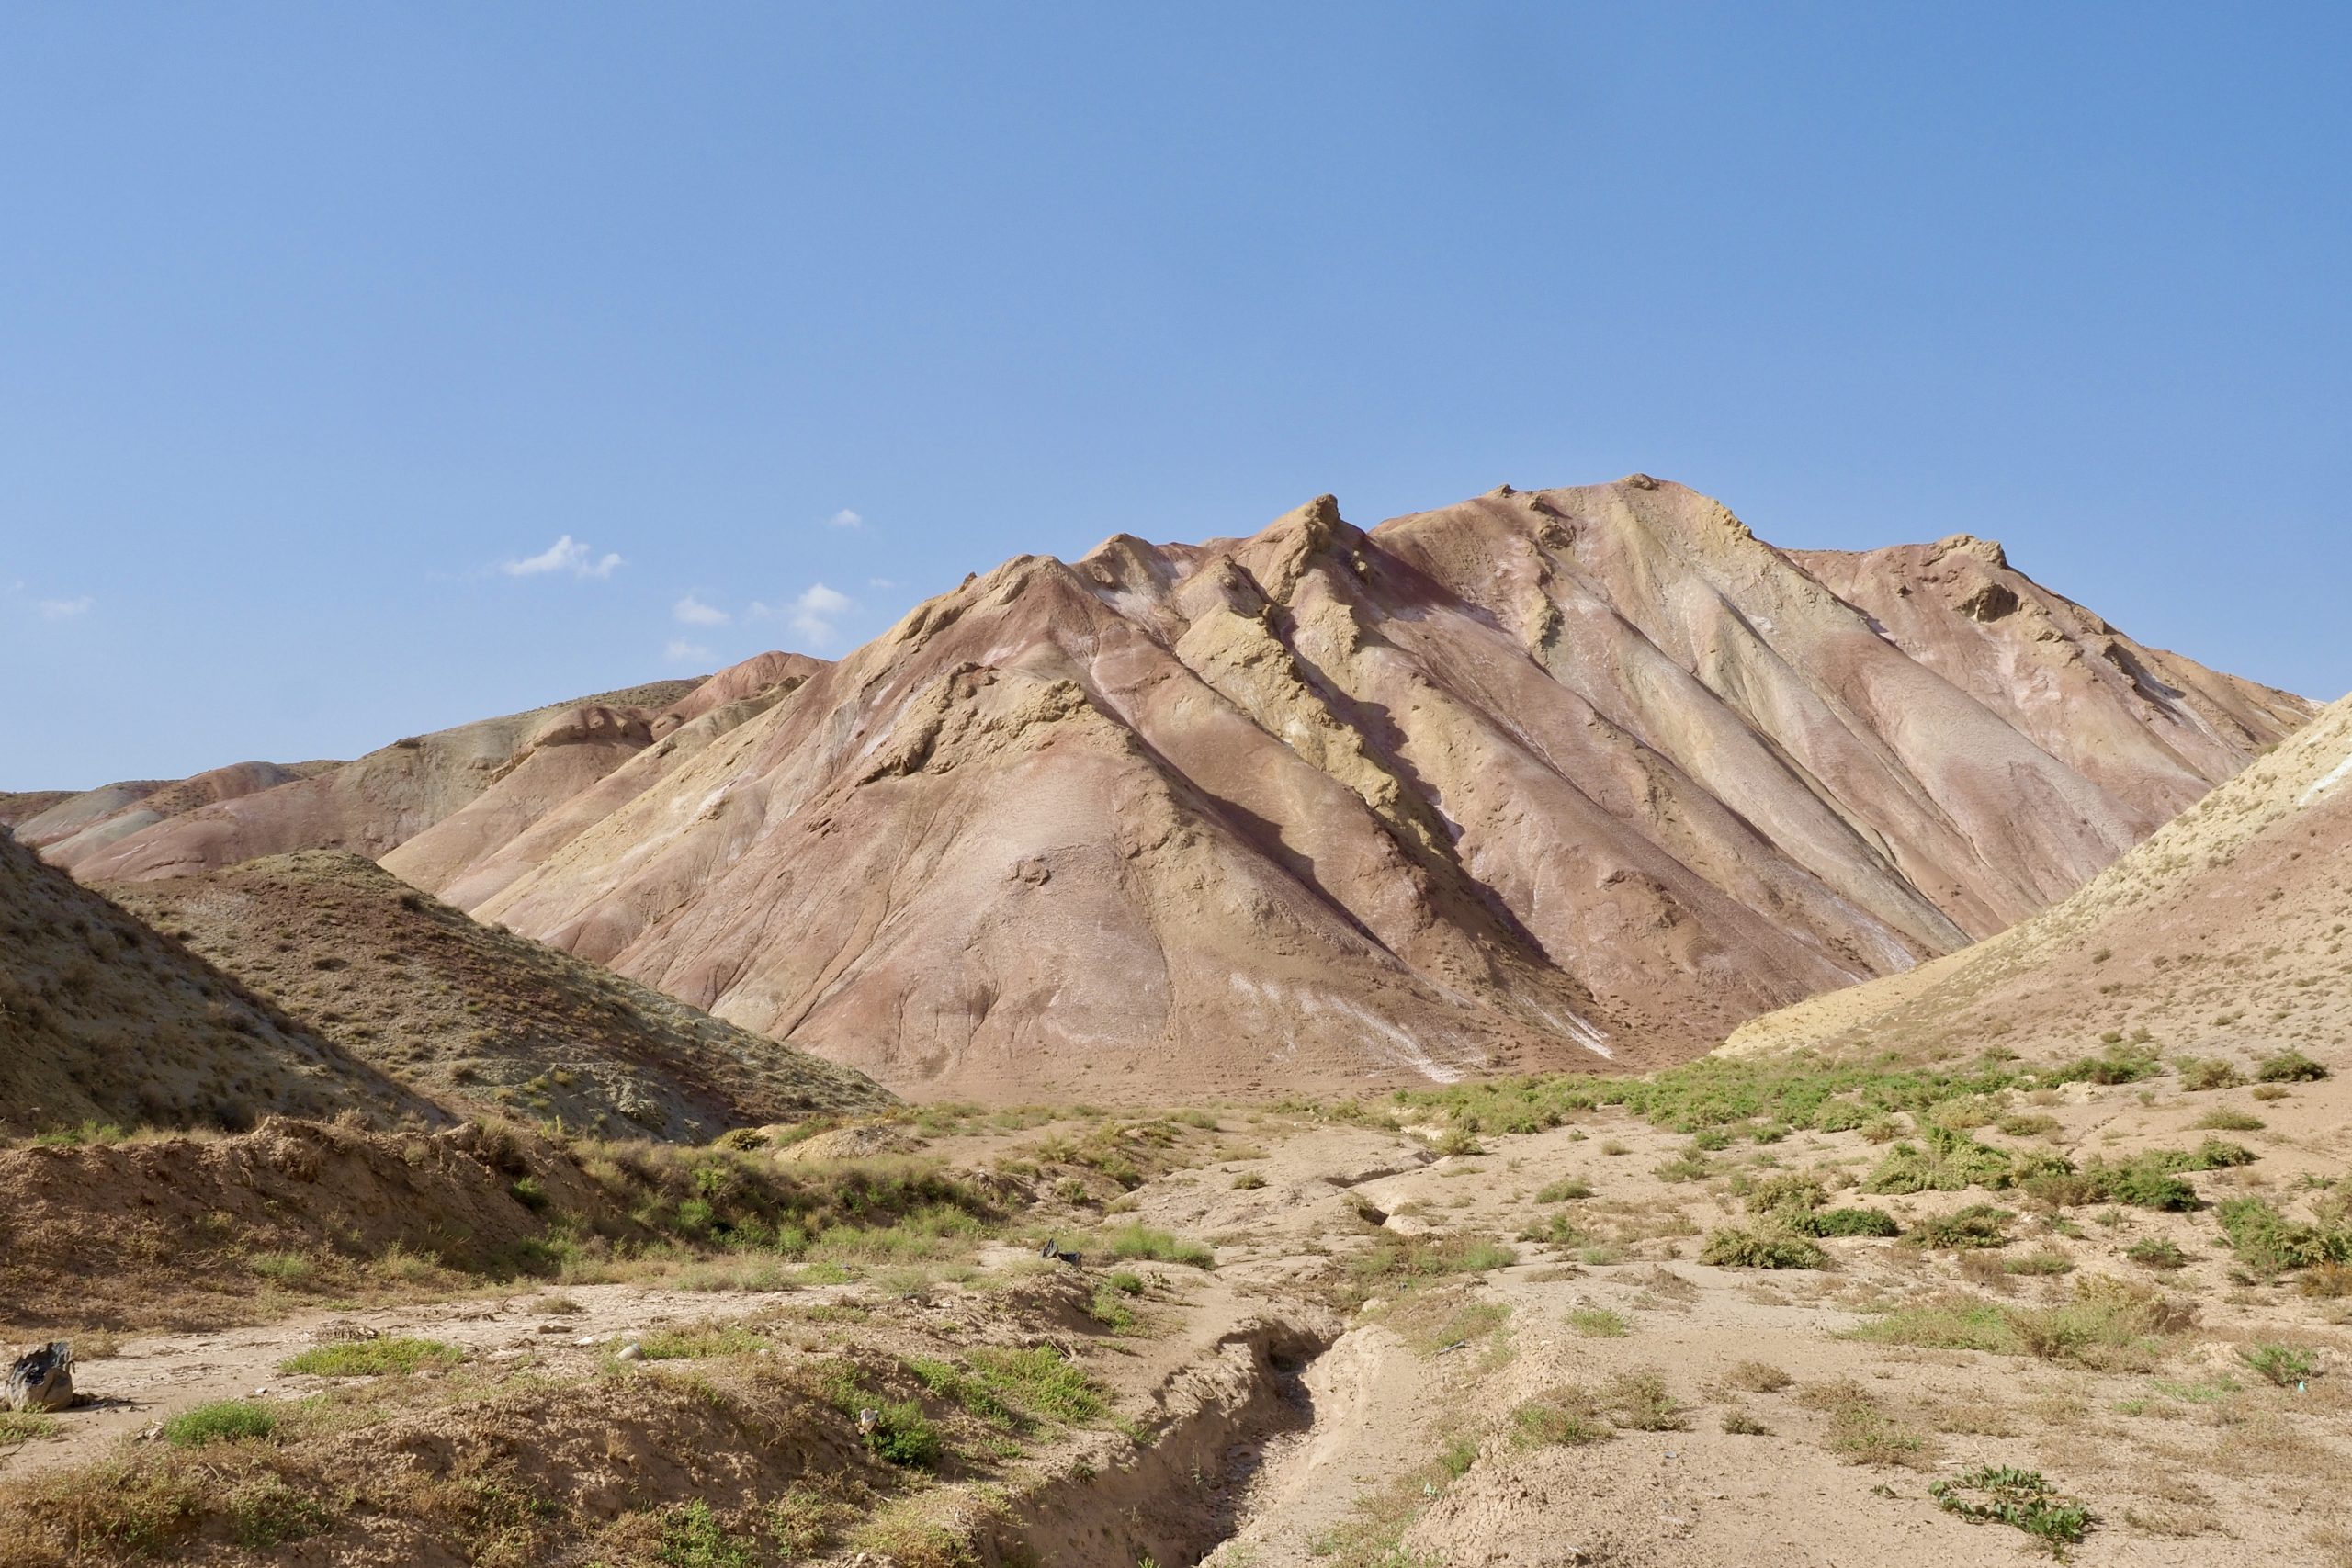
pixel 693 612
pixel 567 554
pixel 64 609
pixel 812 614
pixel 883 582
pixel 844 518
pixel 681 651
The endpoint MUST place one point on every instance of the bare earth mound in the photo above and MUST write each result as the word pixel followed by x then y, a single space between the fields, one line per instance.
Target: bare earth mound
pixel 2223 935
pixel 480 1018
pixel 102 1019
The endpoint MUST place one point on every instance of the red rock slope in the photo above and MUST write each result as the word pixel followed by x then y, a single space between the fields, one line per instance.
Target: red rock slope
pixel 1530 781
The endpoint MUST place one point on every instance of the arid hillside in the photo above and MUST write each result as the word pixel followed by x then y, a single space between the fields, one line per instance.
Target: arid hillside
pixel 2223 938
pixel 103 1021
pixel 1582 776
pixel 481 1020
pixel 173 828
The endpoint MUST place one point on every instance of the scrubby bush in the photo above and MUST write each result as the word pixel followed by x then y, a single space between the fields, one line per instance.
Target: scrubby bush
pixel 1734 1246
pixel 1978 1225
pixel 2290 1066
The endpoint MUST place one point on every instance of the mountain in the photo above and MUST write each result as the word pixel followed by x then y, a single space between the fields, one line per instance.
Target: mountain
pixel 2221 936
pixel 1582 776
pixel 1576 776
pixel 480 1018
pixel 139 831
pixel 102 1019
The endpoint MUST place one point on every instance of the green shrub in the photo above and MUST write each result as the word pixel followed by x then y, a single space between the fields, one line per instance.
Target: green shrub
pixel 1248 1181
pixel 1597 1322
pixel 2144 1184
pixel 1126 1282
pixel 372 1357
pixel 1978 1225
pixel 1566 1190
pixel 2290 1066
pixel 1951 1161
pixel 2267 1243
pixel 2213 1072
pixel 2028 1125
pixel 2229 1119
pixel 902 1434
pixel 1789 1193
pixel 2018 1498
pixel 2151 1252
pixel 284 1268
pixel 2282 1364
pixel 1844 1221
pixel 1733 1247
pixel 222 1421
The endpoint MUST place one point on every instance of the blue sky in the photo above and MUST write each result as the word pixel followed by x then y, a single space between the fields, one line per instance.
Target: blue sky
pixel 321 327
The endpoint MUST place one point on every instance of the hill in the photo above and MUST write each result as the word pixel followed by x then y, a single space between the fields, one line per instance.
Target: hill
pixel 1582 776
pixel 480 1018
pixel 153 828
pixel 2222 938
pixel 104 1021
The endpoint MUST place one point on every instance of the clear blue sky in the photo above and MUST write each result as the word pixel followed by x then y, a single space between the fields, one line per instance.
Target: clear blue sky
pixel 315 320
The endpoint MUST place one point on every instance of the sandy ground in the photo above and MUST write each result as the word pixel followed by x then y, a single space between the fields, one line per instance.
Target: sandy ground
pixel 1399 1441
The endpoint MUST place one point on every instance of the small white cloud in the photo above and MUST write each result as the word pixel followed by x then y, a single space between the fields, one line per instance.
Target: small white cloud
pixel 567 554
pixel 681 651
pixel 693 612
pixel 64 609
pixel 844 518
pixel 884 582
pixel 812 614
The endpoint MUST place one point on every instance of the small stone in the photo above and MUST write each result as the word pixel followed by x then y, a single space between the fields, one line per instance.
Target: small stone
pixel 632 1352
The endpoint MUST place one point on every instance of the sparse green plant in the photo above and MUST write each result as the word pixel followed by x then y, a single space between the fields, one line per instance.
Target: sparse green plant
pixel 2284 1365
pixel 1734 1246
pixel 1564 1189
pixel 2028 1125
pixel 2290 1066
pixel 2047 1261
pixel 902 1434
pixel 1977 1225
pixel 2153 1252
pixel 372 1357
pixel 2229 1119
pixel 2211 1073
pixel 1566 1415
pixel 1844 1221
pixel 2021 1499
pixel 1640 1401
pixel 1248 1181
pixel 691 1537
pixel 1757 1377
pixel 1597 1322
pixel 222 1421
pixel 1139 1241
pixel 1739 1423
